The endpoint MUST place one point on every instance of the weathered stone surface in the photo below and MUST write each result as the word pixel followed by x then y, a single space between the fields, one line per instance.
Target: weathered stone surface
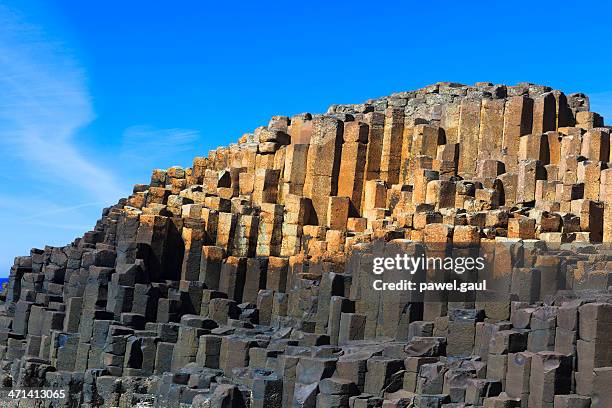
pixel 249 278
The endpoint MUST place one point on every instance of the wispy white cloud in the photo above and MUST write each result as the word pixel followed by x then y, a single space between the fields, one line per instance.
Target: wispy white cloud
pixel 44 102
pixel 60 210
pixel 51 191
pixel 77 229
pixel 151 146
pixel 40 210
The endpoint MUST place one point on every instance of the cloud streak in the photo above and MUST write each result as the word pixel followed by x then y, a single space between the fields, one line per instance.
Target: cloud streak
pixel 44 102
pixel 150 146
pixel 50 190
pixel 60 210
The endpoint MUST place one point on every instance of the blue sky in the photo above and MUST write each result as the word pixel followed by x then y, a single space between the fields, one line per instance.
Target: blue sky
pixel 93 97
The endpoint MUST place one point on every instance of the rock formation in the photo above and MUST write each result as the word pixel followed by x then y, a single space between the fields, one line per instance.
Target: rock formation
pixel 246 280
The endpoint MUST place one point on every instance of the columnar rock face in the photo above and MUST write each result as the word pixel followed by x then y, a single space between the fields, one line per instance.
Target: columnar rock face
pixel 246 279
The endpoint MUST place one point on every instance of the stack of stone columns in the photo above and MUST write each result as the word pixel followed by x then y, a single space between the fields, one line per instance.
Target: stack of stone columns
pixel 246 279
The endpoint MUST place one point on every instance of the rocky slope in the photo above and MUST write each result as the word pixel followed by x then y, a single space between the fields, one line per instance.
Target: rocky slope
pixel 247 279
